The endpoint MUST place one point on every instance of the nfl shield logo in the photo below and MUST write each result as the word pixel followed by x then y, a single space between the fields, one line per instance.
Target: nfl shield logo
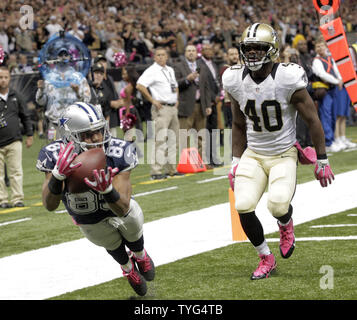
pixel 257 90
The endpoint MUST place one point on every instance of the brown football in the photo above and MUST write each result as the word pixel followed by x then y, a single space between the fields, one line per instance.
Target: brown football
pixel 91 159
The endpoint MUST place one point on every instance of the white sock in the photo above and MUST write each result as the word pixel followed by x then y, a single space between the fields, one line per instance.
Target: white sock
pixel 263 248
pixel 284 224
pixel 127 267
pixel 140 254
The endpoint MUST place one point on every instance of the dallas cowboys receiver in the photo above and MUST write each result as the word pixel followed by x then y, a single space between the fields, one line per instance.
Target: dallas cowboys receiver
pixel 106 214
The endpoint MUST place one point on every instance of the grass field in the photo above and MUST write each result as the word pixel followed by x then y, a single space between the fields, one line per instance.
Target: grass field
pixel 221 274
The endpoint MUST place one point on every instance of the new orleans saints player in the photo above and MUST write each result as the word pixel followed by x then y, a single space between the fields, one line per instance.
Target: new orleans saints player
pixel 266 97
pixel 106 214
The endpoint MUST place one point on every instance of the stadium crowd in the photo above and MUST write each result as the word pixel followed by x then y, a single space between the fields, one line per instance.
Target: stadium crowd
pixel 138 27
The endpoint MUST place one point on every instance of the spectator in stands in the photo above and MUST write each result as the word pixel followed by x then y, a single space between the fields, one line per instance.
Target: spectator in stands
pixel 4 38
pixel 12 63
pixel 24 40
pixel 111 93
pixel 328 82
pixel 24 66
pixel 54 26
pixel 231 60
pixel 192 110
pixel 75 31
pixel 305 60
pixel 209 69
pixel 163 95
pixel 13 112
pixel 40 36
pixel 114 47
pixel 98 94
pixel 91 37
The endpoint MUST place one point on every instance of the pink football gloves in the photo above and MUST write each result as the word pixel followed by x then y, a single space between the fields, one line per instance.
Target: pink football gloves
pixel 323 172
pixel 232 172
pixel 64 165
pixel 102 181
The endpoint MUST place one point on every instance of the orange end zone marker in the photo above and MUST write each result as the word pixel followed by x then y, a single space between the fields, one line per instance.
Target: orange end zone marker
pixel 237 231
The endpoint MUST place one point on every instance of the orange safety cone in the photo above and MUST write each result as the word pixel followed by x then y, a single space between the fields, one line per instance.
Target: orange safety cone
pixel 238 233
pixel 190 161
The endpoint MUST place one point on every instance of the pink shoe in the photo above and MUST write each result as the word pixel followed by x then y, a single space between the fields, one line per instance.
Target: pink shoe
pixel 287 239
pixel 146 266
pixel 136 280
pixel 266 266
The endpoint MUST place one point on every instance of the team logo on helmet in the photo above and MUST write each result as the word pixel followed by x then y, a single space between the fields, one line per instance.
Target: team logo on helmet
pixel 259 45
pixel 80 118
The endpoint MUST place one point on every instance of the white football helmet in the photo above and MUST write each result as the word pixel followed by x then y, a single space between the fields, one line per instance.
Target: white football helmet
pixel 79 118
pixel 262 38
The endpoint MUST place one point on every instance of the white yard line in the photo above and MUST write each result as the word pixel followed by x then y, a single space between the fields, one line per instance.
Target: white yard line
pixel 334 225
pixel 55 270
pixel 154 191
pixel 212 179
pixel 14 221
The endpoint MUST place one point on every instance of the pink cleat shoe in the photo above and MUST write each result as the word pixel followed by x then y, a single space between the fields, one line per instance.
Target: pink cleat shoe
pixel 136 280
pixel 266 266
pixel 146 266
pixel 287 239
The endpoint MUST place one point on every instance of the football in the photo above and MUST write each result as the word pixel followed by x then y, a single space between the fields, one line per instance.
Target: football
pixel 91 159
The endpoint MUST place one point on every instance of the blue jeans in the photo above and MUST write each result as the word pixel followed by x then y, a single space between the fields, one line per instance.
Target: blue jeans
pixel 327 114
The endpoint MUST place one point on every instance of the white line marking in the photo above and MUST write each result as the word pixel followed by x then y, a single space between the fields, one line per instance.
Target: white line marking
pixel 73 265
pixel 154 191
pixel 61 211
pixel 212 179
pixel 14 221
pixel 352 215
pixel 334 225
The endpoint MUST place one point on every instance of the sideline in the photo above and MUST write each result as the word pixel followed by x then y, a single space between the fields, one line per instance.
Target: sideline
pixel 55 270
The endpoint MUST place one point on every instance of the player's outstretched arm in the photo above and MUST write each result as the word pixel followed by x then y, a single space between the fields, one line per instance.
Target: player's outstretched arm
pixel 306 107
pixel 53 184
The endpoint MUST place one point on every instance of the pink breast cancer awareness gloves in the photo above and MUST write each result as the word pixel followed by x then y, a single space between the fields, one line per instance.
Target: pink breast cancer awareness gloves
pixel 323 172
pixel 102 181
pixel 232 172
pixel 64 165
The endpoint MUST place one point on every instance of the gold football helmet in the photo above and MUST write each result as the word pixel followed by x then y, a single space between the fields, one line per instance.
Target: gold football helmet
pixel 259 45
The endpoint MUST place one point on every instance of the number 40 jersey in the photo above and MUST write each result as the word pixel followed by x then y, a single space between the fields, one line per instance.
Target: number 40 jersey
pixel 270 117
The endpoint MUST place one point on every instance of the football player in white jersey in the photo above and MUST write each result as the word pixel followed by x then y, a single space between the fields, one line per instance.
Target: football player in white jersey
pixel 266 97
pixel 106 214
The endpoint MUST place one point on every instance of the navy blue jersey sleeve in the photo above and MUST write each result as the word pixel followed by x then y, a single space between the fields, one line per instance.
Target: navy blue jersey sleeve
pixel 47 156
pixel 122 155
